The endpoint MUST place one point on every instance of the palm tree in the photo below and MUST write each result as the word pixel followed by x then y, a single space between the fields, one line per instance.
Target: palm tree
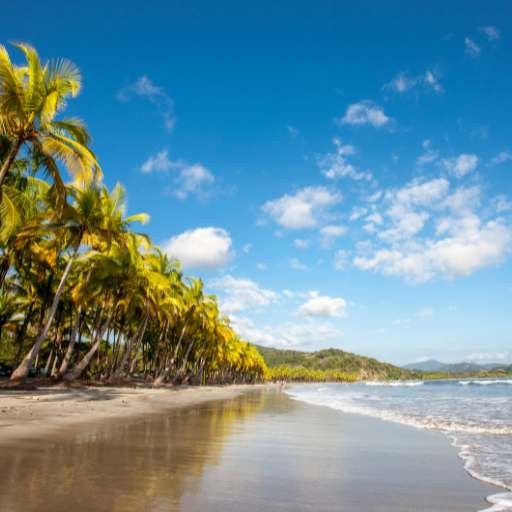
pixel 78 287
pixel 86 221
pixel 31 96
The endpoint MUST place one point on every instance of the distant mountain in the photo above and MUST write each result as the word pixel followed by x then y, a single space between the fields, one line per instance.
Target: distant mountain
pixel 334 359
pixel 431 365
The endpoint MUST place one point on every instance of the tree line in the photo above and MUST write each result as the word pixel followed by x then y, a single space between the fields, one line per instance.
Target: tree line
pixel 83 294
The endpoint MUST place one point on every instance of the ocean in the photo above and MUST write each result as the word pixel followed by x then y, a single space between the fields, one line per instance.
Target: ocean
pixel 476 414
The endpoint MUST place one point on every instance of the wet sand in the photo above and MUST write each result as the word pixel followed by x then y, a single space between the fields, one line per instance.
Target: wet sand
pixel 25 413
pixel 259 451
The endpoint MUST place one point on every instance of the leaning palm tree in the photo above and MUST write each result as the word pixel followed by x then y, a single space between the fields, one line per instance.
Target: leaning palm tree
pixel 86 221
pixel 31 96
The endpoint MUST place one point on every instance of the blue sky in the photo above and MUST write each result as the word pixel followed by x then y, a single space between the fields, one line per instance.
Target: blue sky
pixel 339 175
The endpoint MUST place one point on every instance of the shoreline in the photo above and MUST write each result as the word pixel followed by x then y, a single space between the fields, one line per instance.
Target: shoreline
pixel 390 458
pixel 34 413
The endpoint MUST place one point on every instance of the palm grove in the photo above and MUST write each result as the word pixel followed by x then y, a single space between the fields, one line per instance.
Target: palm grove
pixel 83 295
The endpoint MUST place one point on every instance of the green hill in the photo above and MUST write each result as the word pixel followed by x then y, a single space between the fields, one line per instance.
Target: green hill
pixel 333 361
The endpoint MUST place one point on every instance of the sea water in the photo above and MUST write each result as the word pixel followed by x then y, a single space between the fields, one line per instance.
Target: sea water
pixel 476 414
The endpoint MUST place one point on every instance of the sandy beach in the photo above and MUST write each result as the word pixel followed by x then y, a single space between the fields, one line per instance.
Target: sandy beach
pixel 218 449
pixel 38 412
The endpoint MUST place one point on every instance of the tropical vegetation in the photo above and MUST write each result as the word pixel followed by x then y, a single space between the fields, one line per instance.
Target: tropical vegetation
pixel 82 293
pixel 328 365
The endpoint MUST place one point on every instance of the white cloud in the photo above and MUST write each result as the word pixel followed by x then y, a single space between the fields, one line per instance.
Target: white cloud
pixel 341 259
pixel 365 112
pixel 329 233
pixel 431 79
pixel 429 156
pixel 159 162
pixel 501 203
pixel 205 247
pixel 324 306
pixel 303 209
pixel 357 212
pixel 301 243
pixel 488 357
pixel 502 157
pixel 193 179
pixel 471 245
pixel 296 264
pixel 335 165
pixel 403 83
pixel 242 294
pixel 287 334
pixel 492 33
pixel 145 88
pixel 461 165
pixel 188 179
pixel 458 241
pixel 262 266
pixel 472 49
pixel 247 248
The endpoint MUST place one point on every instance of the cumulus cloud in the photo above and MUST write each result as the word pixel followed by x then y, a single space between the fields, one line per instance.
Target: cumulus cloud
pixel 365 112
pixel 287 334
pixel 335 165
pixel 403 82
pixel 329 233
pixel 357 212
pixel 461 165
pixel 188 179
pixel 205 247
pixel 429 155
pixel 146 89
pixel 471 48
pixel 491 32
pixel 241 294
pixel 158 162
pixel 304 209
pixel 193 179
pixel 458 243
pixel 323 306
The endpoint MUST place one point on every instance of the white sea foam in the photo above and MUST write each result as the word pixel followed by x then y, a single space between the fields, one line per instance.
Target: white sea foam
pixel 497 382
pixel 476 415
pixel 395 383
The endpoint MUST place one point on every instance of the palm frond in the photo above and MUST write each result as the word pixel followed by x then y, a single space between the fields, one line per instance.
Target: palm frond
pixel 64 77
pixel 9 215
pixel 34 75
pixel 11 86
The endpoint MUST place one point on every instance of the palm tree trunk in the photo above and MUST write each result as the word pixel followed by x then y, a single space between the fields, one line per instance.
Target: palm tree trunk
pixel 72 340
pixel 13 152
pixel 48 363
pixel 22 331
pixel 128 349
pixel 181 373
pixel 22 371
pixel 82 365
pixel 165 372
